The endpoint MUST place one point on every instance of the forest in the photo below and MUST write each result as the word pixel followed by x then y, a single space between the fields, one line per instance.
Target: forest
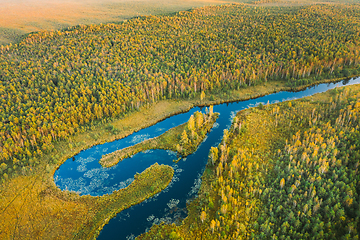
pixel 57 83
pixel 283 171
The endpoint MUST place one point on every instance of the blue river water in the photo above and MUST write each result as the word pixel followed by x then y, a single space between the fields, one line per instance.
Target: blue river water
pixel 83 173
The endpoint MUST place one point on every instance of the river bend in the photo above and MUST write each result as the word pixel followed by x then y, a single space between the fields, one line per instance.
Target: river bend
pixel 84 174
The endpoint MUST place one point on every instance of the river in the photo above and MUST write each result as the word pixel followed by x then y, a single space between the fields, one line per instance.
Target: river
pixel 84 174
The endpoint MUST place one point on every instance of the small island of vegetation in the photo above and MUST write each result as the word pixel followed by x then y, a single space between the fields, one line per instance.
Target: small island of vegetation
pixel 183 139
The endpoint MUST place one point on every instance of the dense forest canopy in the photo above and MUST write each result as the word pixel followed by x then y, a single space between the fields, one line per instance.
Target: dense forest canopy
pixel 53 84
pixel 313 191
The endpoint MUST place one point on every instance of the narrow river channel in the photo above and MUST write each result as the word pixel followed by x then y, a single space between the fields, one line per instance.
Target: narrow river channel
pixel 83 173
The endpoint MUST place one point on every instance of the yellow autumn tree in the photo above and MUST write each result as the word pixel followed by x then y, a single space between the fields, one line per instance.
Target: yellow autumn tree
pixel 282 183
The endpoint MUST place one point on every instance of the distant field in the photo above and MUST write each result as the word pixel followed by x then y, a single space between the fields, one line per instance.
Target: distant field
pixel 18 17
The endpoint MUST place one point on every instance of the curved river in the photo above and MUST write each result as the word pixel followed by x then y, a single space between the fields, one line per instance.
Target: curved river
pixel 83 173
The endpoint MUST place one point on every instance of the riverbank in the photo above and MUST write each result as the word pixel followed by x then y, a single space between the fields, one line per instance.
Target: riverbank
pixel 31 203
pixel 149 115
pixel 37 209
